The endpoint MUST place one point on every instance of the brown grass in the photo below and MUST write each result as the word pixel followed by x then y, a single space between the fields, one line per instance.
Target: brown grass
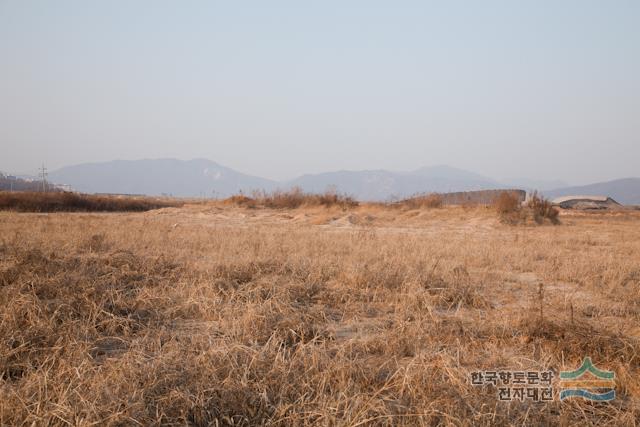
pixel 542 209
pixel 292 199
pixel 507 204
pixel 75 202
pixel 537 210
pixel 214 314
pixel 421 201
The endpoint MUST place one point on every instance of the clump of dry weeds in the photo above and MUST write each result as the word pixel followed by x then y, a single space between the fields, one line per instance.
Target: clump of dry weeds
pixel 292 199
pixel 60 201
pixel 421 201
pixel 536 210
pixel 542 209
pixel 507 204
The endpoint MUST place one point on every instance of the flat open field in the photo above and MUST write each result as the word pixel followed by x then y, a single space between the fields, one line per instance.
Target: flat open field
pixel 210 314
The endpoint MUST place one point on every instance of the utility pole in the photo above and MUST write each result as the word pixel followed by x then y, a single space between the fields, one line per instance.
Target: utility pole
pixel 43 175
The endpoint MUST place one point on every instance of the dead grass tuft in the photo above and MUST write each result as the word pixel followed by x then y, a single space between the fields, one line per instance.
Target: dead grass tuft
pixel 542 209
pixel 537 210
pixel 421 201
pixel 507 204
pixel 292 199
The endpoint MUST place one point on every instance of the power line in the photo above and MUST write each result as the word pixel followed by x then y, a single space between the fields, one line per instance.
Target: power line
pixel 43 176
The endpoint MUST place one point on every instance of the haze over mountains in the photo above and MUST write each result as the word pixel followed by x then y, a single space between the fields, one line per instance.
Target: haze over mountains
pixel 191 178
pixel 201 177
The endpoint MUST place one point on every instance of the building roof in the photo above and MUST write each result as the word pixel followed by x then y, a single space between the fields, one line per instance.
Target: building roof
pixel 581 198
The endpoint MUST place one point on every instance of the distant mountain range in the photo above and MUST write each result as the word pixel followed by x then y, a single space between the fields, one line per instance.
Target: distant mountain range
pixel 191 178
pixel 201 177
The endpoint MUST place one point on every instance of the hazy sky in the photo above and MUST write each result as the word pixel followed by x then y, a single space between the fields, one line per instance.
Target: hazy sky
pixel 537 89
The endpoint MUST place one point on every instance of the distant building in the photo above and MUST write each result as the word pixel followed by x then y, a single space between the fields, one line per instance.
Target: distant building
pixel 586 202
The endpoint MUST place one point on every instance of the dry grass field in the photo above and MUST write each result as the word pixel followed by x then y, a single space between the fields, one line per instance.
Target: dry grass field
pixel 218 314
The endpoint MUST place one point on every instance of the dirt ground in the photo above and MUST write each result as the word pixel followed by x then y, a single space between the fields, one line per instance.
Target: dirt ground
pixel 211 314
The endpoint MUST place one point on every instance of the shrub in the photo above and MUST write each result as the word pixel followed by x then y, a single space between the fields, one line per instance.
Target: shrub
pixel 421 201
pixel 280 199
pixel 537 208
pixel 542 209
pixel 74 202
pixel 292 199
pixel 241 200
pixel 507 204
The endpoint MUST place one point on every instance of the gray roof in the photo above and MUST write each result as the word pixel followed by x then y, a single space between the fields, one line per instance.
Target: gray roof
pixel 581 198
